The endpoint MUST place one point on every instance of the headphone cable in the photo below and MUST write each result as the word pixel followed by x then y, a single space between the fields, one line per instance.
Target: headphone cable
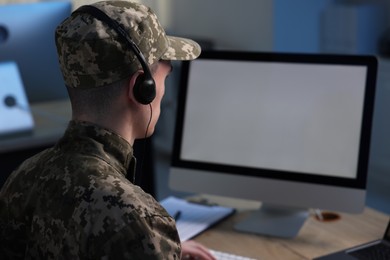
pixel 144 146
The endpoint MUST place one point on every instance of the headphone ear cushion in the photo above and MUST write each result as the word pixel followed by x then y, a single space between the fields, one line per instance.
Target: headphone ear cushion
pixel 144 89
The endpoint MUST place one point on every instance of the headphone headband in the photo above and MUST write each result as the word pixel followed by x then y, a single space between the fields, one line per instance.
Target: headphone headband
pixel 144 89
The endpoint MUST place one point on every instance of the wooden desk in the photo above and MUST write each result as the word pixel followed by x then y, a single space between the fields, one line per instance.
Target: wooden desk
pixel 315 238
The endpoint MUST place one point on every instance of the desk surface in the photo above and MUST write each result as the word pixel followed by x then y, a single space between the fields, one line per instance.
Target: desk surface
pixel 316 238
pixel 50 119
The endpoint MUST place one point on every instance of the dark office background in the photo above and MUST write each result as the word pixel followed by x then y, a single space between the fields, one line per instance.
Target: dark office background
pixel 337 26
pixel 321 26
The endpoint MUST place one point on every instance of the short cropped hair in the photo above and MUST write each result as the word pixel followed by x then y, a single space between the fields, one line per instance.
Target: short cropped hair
pixel 96 100
pixel 99 100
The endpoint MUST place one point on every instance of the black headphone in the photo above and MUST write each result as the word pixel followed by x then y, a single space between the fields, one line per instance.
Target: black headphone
pixel 144 88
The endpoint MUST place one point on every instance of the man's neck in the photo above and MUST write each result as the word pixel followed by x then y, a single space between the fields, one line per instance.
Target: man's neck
pixel 117 126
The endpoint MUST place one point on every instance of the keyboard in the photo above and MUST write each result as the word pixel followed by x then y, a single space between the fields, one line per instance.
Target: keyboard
pixel 227 256
pixel 375 252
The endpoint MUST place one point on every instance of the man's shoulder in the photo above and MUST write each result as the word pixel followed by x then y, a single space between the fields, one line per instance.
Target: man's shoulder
pixel 117 193
pixel 138 224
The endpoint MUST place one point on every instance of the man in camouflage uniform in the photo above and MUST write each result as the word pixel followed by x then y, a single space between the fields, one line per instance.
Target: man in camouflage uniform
pixel 73 201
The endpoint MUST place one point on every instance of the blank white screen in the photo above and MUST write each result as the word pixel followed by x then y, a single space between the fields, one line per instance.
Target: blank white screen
pixel 302 118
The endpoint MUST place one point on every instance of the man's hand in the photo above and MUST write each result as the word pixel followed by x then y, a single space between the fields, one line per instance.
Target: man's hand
pixel 191 250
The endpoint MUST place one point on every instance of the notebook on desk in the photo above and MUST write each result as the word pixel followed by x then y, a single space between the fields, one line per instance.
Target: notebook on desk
pixel 193 218
pixel 375 250
pixel 15 115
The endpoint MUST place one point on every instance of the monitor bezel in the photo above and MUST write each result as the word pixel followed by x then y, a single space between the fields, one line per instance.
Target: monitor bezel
pixel 359 182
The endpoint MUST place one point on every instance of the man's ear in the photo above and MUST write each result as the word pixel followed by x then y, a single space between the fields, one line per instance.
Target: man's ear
pixel 130 89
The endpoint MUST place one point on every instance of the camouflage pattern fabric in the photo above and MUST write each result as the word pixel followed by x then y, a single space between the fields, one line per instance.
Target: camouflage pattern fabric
pixel 92 55
pixel 73 201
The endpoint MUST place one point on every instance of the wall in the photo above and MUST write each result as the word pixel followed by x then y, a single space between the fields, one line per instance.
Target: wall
pixel 329 25
pixel 296 25
pixel 228 23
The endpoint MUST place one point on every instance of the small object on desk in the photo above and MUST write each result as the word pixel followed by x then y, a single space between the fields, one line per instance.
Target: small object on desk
pixel 191 218
pixel 227 256
pixel 318 214
pixel 325 216
pixel 202 201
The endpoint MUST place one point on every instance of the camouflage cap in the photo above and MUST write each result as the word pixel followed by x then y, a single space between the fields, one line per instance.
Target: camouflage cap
pixel 91 54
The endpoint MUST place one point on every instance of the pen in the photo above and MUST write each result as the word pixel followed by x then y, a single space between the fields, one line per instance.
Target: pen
pixel 177 215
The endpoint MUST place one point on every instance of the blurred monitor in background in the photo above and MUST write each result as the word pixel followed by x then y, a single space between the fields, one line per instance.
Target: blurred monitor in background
pixel 15 114
pixel 27 38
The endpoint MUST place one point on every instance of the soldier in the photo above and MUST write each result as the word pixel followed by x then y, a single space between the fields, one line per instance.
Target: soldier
pixel 73 201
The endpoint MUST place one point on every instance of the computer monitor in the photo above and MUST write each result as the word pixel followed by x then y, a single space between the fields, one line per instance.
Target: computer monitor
pixel 289 130
pixel 27 38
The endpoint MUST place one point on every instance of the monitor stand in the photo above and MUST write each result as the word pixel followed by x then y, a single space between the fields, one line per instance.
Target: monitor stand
pixel 275 221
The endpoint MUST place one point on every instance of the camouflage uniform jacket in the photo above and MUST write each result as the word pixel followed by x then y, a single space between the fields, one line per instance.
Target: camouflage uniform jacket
pixel 73 201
